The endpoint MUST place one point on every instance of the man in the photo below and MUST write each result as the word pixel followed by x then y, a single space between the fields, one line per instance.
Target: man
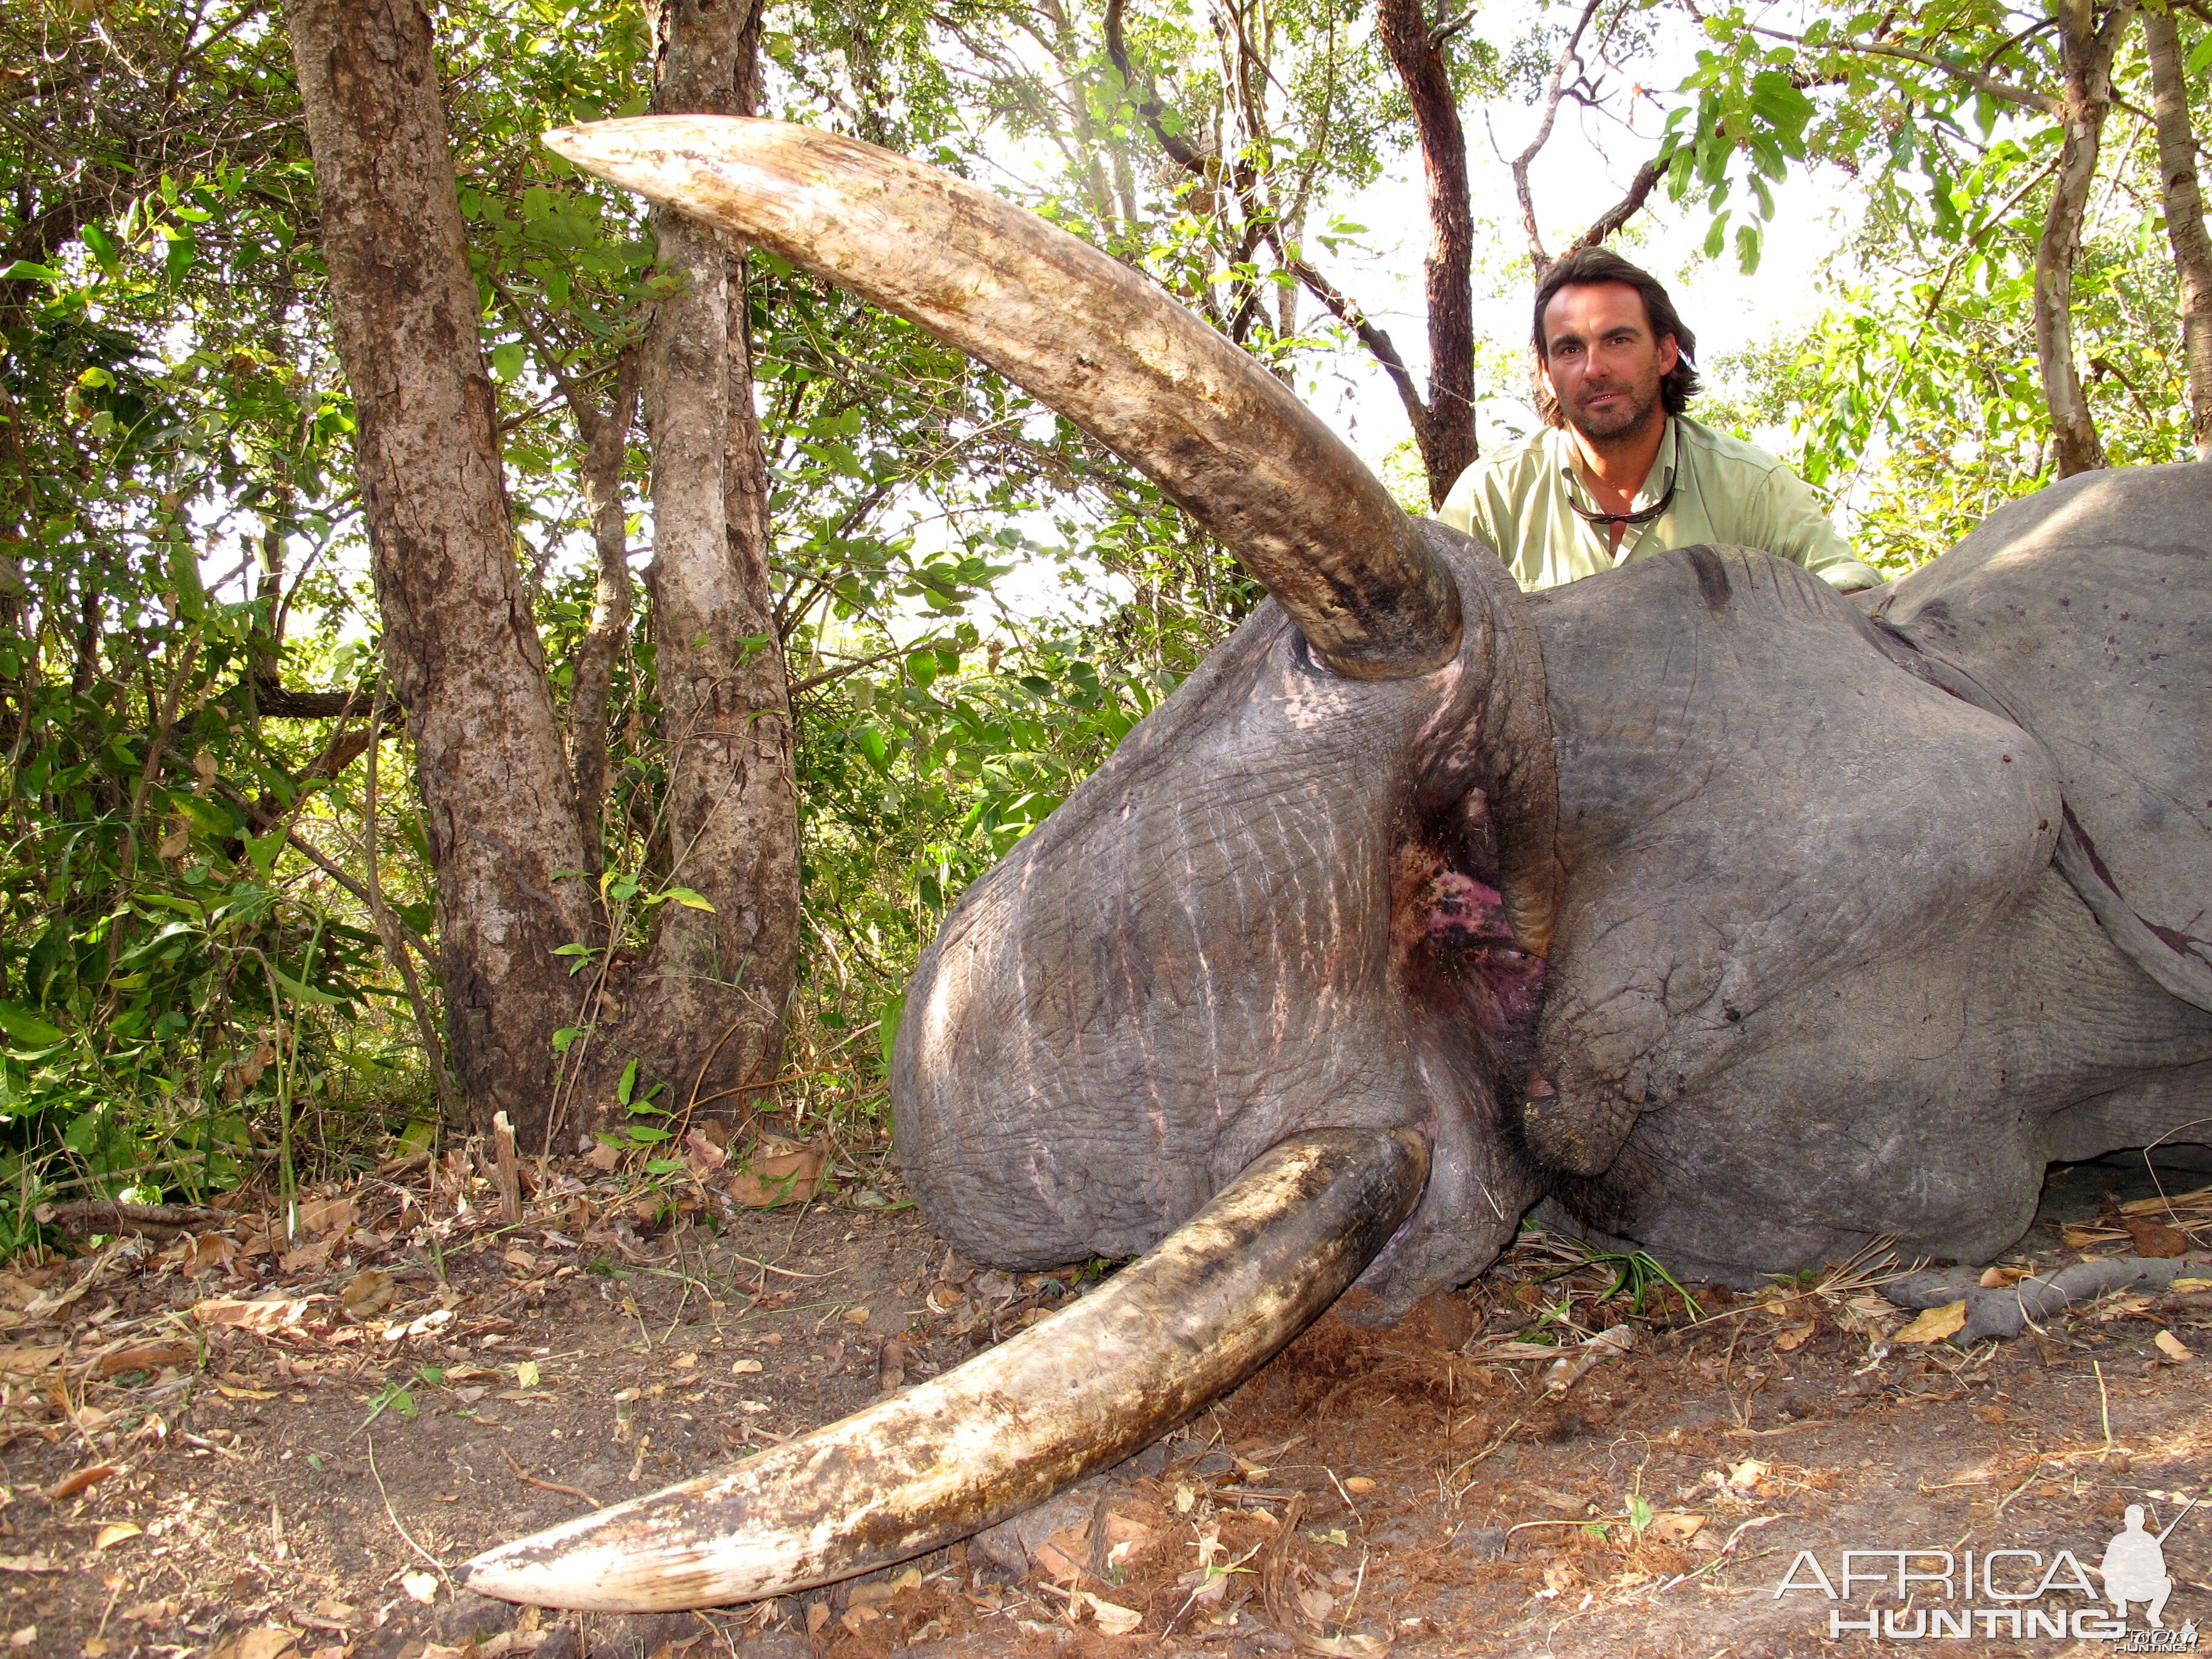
pixel 1620 473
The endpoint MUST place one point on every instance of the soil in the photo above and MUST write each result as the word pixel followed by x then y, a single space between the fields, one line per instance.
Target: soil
pixel 233 1446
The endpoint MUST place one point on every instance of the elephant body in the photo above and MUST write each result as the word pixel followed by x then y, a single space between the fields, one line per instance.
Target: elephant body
pixel 1816 977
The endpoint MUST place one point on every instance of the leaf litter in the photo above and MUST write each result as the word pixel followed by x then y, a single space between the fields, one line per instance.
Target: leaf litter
pixel 1558 1440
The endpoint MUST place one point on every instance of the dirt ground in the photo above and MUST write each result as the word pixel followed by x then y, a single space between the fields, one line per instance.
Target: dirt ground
pixel 231 1445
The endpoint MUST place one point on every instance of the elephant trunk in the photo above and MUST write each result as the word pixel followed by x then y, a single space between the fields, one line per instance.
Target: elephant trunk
pixel 1075 1393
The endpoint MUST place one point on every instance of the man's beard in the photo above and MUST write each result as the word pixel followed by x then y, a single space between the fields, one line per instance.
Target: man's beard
pixel 1626 416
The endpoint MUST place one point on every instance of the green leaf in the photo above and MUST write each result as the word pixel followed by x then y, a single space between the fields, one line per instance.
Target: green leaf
pixel 27 1028
pixel 305 993
pixel 686 897
pixel 894 1011
pixel 507 361
pixel 623 1089
pixel 1746 248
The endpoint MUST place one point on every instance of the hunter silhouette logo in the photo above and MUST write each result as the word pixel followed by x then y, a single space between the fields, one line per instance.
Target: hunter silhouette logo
pixel 2134 1568
pixel 2011 1593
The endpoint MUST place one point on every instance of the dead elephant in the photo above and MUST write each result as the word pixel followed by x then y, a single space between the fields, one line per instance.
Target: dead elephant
pixel 1744 921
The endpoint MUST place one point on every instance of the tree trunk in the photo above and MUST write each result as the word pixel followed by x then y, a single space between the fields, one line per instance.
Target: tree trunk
pixel 462 648
pixel 607 438
pixel 2086 55
pixel 716 984
pixel 2184 217
pixel 1446 435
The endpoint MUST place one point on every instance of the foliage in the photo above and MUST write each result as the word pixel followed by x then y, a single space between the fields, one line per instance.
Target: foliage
pixel 194 987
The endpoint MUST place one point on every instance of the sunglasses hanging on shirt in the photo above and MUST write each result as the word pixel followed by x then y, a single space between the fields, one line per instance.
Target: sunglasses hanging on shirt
pixel 1633 521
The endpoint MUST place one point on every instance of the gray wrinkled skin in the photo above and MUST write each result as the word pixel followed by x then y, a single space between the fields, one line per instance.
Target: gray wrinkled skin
pixel 1814 978
pixel 1191 958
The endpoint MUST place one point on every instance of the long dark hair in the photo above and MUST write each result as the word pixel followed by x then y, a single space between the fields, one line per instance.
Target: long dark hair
pixel 1596 264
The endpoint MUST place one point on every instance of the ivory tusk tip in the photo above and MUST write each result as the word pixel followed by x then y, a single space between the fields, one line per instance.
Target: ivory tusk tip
pixel 603 148
pixel 578 1579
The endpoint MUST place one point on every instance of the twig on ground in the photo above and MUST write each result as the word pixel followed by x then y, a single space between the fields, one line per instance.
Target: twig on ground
pixel 530 1480
pixel 78 1217
pixel 392 1515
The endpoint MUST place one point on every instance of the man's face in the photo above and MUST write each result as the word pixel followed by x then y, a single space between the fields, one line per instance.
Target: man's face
pixel 1600 359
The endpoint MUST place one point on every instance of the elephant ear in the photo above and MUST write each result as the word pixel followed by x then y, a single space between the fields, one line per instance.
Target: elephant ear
pixel 2084 613
pixel 1754 804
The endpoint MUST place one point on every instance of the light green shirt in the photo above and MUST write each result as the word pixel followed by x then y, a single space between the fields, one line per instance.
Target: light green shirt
pixel 1727 491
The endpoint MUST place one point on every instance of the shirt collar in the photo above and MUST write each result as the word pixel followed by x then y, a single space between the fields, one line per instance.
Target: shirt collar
pixel 1656 482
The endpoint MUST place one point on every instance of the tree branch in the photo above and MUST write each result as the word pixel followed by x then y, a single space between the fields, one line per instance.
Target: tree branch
pixel 1631 202
pixel 1571 53
pixel 2026 97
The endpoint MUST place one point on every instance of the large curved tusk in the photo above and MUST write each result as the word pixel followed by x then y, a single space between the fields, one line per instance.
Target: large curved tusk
pixel 1091 337
pixel 1208 1306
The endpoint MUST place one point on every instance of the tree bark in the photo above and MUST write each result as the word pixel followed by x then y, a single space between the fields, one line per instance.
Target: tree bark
pixel 607 438
pixel 2086 58
pixel 719 982
pixel 2184 217
pixel 460 644
pixel 1446 435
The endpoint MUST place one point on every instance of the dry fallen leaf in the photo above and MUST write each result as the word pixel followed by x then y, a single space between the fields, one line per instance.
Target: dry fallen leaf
pixel 1359 1483
pixel 2153 1238
pixel 1995 1279
pixel 1611 1343
pixel 423 1586
pixel 744 1367
pixel 1933 1324
pixel 525 1373
pixel 777 1172
pixel 1674 1528
pixel 114 1533
pixel 269 1642
pixel 1060 1556
pixel 369 1292
pixel 1792 1337
pixel 2189 1286
pixel 1114 1619
pixel 310 1259
pixel 2172 1347
pixel 684 1362
pixel 70 1485
pixel 229 1391
pixel 151 1358
pixel 279 1314
pixel 28 1564
pixel 604 1157
pixel 209 1253
pixel 855 1315
pixel 21 1361
pixel 327 1215
pixel 817 1616
pixel 704 1155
